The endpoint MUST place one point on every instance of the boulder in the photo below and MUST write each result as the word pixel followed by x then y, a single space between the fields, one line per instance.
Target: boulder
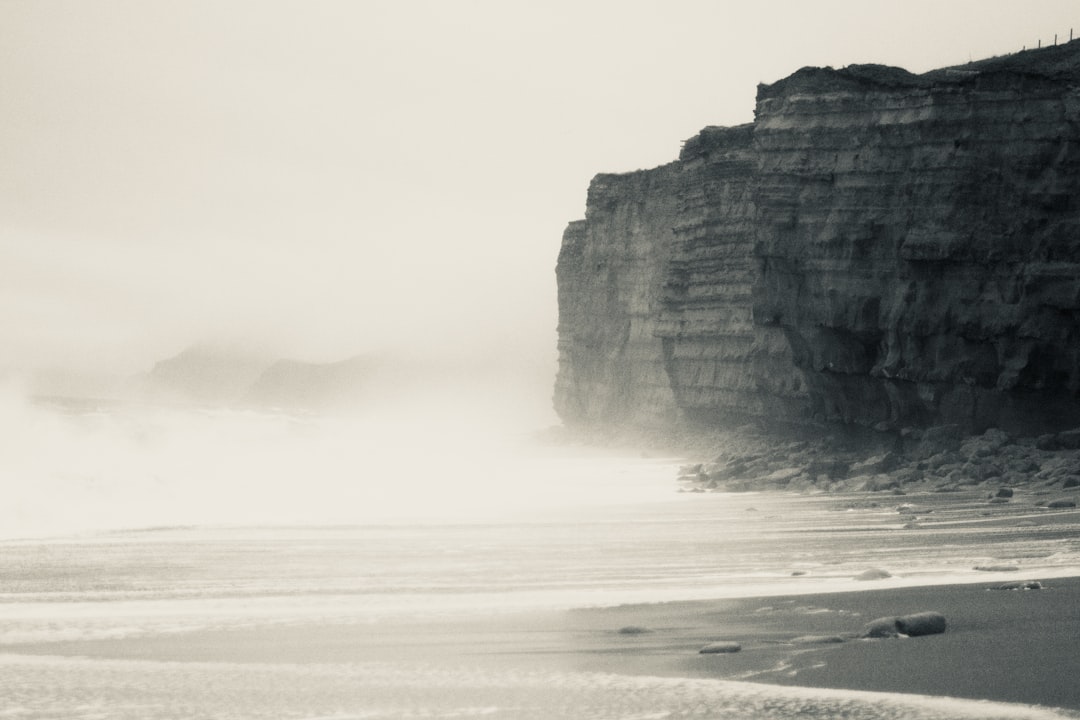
pixel 783 476
pixel 1046 442
pixel 719 647
pixel 996 568
pixel 874 483
pixel 939 439
pixel 1004 492
pixel 634 630
pixel 831 467
pixel 875 465
pixel 881 628
pixel 693 471
pixel 1021 585
pixel 1061 504
pixel 924 623
pixel 1069 439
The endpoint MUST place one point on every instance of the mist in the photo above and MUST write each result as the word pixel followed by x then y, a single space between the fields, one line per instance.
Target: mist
pixel 432 453
pixel 340 178
pixel 321 183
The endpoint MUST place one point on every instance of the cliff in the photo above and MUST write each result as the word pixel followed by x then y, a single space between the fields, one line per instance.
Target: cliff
pixel 877 248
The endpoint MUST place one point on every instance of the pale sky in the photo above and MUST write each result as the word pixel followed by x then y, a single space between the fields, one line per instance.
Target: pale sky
pixel 330 178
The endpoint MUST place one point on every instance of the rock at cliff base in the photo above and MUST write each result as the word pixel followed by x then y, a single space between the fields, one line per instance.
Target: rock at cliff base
pixel 1066 440
pixel 634 630
pixel 720 647
pixel 875 465
pixel 1069 439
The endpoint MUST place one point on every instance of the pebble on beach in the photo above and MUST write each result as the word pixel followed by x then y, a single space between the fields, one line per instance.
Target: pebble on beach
pixel 873 574
pixel 817 639
pixel 723 646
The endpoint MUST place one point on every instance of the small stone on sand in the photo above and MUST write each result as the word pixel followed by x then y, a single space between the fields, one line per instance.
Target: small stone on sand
pixel 873 574
pixel 724 646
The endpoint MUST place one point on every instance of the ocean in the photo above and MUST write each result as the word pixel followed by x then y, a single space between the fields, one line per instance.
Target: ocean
pixel 177 563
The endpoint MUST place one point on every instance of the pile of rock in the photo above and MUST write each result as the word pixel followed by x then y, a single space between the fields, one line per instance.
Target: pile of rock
pixel 936 459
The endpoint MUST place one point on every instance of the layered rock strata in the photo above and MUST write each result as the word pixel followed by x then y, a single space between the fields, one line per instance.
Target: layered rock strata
pixel 877 248
pixel 610 273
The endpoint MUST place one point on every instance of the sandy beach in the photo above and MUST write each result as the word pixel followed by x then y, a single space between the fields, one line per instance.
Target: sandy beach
pixel 597 614
pixel 1004 645
pixel 1013 646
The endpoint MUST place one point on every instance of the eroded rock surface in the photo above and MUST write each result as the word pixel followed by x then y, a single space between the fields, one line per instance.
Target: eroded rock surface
pixel 878 248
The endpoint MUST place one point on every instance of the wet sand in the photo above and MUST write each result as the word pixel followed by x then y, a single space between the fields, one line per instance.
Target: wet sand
pixel 1002 645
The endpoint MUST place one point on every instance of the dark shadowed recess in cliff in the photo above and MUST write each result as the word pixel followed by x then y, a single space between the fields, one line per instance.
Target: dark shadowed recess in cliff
pixel 878 250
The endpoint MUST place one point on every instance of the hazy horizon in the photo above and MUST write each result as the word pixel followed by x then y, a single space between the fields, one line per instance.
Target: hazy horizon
pixel 322 180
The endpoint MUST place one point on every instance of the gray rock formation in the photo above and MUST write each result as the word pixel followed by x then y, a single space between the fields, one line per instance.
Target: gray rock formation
pixel 878 248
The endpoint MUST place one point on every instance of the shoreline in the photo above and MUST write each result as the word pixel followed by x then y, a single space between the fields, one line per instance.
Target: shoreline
pixel 1009 646
pixel 1015 646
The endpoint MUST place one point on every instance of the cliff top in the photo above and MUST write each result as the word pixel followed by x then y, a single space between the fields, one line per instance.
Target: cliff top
pixel 715 137
pixel 1058 63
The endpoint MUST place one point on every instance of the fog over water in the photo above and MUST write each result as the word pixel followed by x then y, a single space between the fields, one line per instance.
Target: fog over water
pixel 320 182
pixel 457 456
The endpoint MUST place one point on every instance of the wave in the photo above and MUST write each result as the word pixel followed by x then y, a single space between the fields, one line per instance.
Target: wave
pixel 83 688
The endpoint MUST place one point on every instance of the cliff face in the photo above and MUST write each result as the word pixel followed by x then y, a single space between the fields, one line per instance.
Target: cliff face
pixel 611 272
pixel 876 248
